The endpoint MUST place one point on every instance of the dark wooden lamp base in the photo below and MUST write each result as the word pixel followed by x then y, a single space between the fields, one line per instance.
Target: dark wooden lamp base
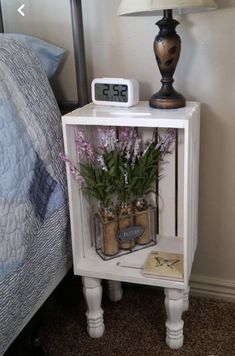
pixel 167 47
pixel 167 100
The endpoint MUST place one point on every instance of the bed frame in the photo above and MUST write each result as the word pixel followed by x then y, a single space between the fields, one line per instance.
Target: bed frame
pixel 1 20
pixel 79 49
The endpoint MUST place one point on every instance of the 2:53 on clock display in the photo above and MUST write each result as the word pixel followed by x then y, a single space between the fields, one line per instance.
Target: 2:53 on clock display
pixel 115 92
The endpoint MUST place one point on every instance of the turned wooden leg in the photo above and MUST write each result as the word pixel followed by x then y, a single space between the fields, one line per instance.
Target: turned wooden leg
pixel 174 303
pixel 186 299
pixel 93 294
pixel 115 291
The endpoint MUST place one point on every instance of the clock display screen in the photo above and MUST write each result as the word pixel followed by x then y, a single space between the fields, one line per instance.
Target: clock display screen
pixel 111 92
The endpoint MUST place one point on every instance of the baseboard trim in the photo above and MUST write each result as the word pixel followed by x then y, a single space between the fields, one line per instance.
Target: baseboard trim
pixel 212 288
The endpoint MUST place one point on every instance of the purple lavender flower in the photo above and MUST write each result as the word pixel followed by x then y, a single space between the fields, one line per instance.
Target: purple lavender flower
pixel 128 150
pixel 127 137
pixel 90 152
pixel 100 159
pixel 106 138
pixel 74 171
pixel 84 148
pixel 126 134
pixel 136 151
pixel 137 146
pixel 164 144
pixel 80 142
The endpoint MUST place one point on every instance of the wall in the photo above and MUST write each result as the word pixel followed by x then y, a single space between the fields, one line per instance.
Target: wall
pixel 122 47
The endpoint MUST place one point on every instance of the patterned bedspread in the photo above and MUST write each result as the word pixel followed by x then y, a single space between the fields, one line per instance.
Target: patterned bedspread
pixel 33 208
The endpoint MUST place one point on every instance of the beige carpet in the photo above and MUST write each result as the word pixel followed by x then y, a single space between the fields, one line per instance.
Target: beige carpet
pixel 136 326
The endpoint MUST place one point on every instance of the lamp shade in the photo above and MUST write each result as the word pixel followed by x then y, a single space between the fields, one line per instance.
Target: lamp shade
pixel 155 7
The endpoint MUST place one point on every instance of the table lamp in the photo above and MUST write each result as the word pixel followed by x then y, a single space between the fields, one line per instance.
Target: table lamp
pixel 167 44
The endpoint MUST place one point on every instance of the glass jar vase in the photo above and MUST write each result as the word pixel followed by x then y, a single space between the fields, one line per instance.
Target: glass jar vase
pixel 141 217
pixel 109 226
pixel 125 220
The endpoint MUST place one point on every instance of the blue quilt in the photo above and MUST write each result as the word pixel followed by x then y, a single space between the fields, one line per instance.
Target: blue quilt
pixel 33 203
pixel 28 191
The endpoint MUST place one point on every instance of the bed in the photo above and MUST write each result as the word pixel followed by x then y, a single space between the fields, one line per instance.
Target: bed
pixel 35 248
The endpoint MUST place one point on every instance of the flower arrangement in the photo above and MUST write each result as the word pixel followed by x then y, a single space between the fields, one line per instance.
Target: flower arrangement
pixel 120 164
pixel 120 168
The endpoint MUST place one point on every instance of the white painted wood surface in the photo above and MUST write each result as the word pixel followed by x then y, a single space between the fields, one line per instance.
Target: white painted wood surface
pixel 174 303
pixel 92 291
pixel 140 115
pixel 167 192
pixel 129 267
pixel 115 291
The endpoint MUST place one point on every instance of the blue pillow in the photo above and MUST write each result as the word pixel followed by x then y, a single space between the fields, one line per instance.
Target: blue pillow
pixel 49 54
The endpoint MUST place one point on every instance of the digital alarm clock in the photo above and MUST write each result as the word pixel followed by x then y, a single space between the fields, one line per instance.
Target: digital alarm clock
pixel 115 92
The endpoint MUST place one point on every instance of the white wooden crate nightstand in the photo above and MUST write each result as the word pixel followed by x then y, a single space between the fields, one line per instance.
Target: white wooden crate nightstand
pixel 177 212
